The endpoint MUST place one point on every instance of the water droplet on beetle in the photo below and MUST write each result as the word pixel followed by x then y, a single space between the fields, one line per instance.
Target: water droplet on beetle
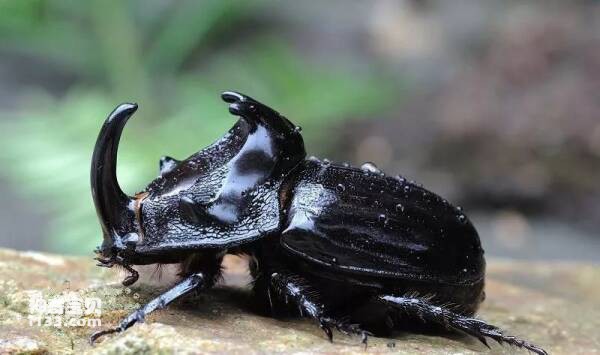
pixel 345 164
pixel 340 188
pixel 406 188
pixel 297 129
pixel 326 161
pixel 313 158
pixel 459 208
pixel 382 218
pixel 462 218
pixel 370 168
pixel 399 208
pixel 400 179
pixel 464 270
pixel 334 260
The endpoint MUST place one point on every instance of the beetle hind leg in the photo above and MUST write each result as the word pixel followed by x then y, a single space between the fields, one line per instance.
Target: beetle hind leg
pixel 295 288
pixel 428 312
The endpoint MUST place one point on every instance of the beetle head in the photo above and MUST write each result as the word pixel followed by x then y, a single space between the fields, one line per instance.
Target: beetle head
pixel 225 194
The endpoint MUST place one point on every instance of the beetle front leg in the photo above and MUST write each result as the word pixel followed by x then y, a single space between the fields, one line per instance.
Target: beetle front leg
pixel 306 297
pixel 189 284
pixel 477 328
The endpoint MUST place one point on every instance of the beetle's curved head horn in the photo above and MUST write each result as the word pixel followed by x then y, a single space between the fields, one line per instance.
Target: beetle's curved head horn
pixel 114 208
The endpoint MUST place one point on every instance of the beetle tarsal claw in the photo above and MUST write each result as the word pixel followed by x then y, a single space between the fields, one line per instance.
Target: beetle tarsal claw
pixel 131 278
pixel 96 335
pixel 327 331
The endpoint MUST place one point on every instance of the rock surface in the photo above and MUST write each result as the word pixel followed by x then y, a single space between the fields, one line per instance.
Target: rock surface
pixel 555 305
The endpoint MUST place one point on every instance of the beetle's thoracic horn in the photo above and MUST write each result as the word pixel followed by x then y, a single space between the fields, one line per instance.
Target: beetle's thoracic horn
pixel 111 203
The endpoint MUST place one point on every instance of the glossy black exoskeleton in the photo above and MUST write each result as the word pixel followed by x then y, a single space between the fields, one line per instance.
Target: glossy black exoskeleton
pixel 352 248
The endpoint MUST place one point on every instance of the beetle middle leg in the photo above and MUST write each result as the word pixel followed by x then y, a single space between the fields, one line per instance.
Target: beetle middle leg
pixel 297 289
pixel 428 312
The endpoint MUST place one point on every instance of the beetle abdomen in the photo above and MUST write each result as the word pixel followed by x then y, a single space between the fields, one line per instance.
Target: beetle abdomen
pixel 364 222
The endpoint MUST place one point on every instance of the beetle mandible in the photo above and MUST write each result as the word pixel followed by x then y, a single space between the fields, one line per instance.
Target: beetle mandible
pixel 314 231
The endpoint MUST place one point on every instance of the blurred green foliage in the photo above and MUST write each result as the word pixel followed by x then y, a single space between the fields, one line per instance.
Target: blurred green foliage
pixel 174 58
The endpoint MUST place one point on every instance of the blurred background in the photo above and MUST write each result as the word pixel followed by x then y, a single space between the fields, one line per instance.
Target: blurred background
pixel 494 105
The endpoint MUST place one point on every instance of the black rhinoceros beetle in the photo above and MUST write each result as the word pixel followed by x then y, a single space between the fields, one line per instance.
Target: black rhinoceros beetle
pixel 327 238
